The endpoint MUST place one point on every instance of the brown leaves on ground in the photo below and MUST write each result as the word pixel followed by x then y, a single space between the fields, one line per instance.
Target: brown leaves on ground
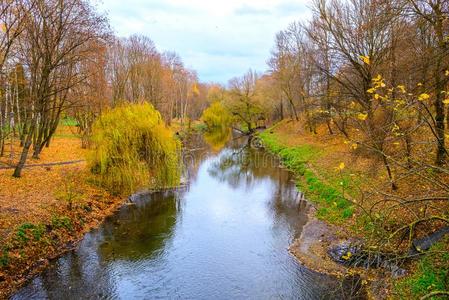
pixel 370 183
pixel 57 199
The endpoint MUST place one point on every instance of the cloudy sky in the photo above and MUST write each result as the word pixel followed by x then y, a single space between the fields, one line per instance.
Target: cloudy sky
pixel 218 39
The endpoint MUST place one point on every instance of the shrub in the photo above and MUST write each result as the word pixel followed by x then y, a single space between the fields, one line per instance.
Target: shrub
pixel 132 148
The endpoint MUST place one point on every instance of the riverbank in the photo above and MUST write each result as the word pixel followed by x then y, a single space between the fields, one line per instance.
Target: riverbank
pixel 47 211
pixel 335 174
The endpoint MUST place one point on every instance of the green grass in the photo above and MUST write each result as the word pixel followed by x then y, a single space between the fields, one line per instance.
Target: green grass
pixel 61 222
pixel 4 258
pixel 431 275
pixel 199 127
pixel 28 230
pixel 68 121
pixel 331 203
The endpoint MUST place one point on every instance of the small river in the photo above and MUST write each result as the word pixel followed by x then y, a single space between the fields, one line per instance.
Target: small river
pixel 225 235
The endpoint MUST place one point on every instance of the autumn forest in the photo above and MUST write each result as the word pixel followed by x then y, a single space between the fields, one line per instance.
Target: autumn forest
pixel 337 150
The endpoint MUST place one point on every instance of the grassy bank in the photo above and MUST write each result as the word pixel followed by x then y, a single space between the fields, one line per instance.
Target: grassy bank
pixel 44 213
pixel 332 173
pixel 329 192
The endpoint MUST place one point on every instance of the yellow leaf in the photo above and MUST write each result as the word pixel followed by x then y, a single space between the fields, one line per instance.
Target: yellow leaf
pixel 365 59
pixel 446 73
pixel 347 256
pixel 419 84
pixel 377 78
pixel 354 146
pixel 371 90
pixel 362 116
pixel 446 101
pixel 195 89
pixel 423 97
pixel 402 88
pixel 341 166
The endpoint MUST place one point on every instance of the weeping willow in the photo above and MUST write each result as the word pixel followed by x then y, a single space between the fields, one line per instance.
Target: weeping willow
pixel 133 149
pixel 217 116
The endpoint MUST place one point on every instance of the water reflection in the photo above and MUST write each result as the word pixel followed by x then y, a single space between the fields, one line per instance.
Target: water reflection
pixel 225 236
pixel 141 231
pixel 218 138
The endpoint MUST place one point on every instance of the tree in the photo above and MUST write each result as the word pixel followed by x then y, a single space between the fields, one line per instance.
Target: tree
pixel 435 13
pixel 54 43
pixel 244 102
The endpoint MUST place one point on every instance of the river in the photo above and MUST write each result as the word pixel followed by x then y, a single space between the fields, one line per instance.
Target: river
pixel 225 235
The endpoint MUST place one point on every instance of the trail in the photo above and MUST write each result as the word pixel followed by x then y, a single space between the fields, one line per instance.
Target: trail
pixel 71 162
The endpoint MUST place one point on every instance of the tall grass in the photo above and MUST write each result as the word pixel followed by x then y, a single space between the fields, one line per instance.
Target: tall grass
pixel 133 149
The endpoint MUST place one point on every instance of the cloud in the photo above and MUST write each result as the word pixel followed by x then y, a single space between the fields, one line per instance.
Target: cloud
pixel 250 10
pixel 219 39
pixel 291 8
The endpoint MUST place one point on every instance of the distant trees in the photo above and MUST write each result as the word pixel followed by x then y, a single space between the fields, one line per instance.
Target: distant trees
pixel 138 72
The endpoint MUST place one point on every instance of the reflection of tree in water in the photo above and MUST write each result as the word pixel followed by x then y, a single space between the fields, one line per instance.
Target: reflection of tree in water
pixel 244 166
pixel 137 232
pixel 141 230
pixel 241 167
pixel 195 151
pixel 217 139
pixel 288 205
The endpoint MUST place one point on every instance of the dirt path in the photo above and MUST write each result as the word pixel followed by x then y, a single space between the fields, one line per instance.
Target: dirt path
pixel 71 162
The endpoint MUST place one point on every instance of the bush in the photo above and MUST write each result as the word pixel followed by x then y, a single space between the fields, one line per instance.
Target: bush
pixel 132 149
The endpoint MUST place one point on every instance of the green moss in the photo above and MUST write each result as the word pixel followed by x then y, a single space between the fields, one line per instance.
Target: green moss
pixel 332 205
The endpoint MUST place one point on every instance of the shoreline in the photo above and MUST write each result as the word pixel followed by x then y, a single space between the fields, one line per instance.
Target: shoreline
pixel 12 284
pixel 310 249
pixel 323 231
pixel 31 255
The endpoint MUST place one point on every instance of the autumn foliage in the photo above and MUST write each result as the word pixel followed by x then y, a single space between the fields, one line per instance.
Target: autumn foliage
pixel 217 116
pixel 132 149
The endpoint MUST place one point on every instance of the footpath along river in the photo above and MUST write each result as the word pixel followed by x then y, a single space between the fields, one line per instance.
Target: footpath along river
pixel 225 235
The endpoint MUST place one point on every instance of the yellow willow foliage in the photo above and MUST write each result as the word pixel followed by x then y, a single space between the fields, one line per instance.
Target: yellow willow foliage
pixel 133 149
pixel 217 116
pixel 217 138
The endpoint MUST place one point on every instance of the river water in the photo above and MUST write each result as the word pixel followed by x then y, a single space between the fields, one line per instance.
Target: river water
pixel 225 235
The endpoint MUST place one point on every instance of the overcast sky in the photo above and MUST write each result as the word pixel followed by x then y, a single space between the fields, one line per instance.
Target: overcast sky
pixel 218 39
